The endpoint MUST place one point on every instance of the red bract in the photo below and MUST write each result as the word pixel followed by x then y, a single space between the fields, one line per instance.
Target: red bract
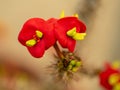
pixel 105 77
pixel 65 24
pixel 37 35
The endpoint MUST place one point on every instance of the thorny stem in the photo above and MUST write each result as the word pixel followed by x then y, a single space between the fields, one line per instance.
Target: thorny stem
pixel 59 53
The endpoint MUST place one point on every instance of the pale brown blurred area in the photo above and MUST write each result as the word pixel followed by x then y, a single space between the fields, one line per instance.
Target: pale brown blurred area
pixel 100 45
pixel 3 28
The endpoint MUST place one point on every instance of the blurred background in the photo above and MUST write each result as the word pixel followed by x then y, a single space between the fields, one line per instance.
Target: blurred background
pixel 20 71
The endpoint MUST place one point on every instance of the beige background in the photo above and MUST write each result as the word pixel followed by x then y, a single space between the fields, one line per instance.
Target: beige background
pixel 101 44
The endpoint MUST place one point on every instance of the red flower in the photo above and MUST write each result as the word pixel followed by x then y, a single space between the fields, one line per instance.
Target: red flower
pixel 68 30
pixel 109 77
pixel 37 35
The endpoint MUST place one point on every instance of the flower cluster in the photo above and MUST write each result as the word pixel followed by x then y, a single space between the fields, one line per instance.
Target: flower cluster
pixel 38 34
pixel 65 70
pixel 110 77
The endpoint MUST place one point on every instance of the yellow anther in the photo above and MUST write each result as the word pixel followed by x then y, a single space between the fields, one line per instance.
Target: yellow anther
pixel 113 79
pixel 79 36
pixel 116 87
pixel 116 65
pixel 72 32
pixel 39 34
pixel 62 15
pixel 31 42
pixel 76 15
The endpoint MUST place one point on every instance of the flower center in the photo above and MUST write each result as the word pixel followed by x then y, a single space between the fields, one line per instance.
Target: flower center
pixel 36 38
pixel 75 35
pixel 74 65
pixel 117 87
pixel 114 78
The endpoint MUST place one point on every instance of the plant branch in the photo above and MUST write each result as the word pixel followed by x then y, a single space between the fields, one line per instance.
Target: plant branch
pixel 59 53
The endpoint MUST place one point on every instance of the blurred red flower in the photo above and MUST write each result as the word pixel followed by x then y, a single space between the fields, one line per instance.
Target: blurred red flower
pixel 37 35
pixel 68 30
pixel 110 77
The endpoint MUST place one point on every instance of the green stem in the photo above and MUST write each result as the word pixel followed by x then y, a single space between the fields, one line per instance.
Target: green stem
pixel 59 53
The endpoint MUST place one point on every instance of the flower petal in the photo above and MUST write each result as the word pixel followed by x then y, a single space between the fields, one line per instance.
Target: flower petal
pixel 104 77
pixel 37 50
pixel 65 24
pixel 71 44
pixel 61 36
pixel 49 36
pixel 29 28
pixel 71 22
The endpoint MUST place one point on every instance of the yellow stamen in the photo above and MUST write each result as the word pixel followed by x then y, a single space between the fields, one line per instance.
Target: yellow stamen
pixel 76 15
pixel 116 87
pixel 62 15
pixel 116 65
pixel 113 79
pixel 31 42
pixel 79 36
pixel 72 32
pixel 39 34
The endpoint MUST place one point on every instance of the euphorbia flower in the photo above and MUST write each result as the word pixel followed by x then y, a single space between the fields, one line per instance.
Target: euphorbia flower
pixel 68 30
pixel 110 78
pixel 37 35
